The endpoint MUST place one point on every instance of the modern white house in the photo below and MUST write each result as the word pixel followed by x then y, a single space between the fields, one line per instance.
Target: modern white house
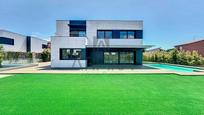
pixel 82 43
pixel 14 42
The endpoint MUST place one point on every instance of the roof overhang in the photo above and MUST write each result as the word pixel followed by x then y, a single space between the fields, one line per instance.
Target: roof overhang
pixel 120 46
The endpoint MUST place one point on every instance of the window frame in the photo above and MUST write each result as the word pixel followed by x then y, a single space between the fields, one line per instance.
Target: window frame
pixel 72 57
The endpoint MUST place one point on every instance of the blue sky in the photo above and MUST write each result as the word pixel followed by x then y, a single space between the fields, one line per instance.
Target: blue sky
pixel 166 22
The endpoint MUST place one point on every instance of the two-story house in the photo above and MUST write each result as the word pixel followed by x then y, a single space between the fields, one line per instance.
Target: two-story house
pixel 82 43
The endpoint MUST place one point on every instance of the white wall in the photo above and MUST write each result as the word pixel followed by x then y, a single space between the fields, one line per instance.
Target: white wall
pixel 94 25
pixel 58 42
pixel 19 41
pixel 36 44
pixel 62 28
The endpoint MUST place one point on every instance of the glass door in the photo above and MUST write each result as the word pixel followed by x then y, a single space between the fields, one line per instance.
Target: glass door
pixel 110 57
pixel 126 57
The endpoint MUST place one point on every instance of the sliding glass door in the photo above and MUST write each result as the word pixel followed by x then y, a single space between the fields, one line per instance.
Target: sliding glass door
pixel 118 57
pixel 110 57
pixel 126 58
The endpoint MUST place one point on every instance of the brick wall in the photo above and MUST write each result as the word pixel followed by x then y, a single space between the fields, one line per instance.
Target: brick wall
pixel 197 46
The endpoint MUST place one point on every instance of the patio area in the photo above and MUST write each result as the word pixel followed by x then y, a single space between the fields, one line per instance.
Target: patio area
pixel 99 69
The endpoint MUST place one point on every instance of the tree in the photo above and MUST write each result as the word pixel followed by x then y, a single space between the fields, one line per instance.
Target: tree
pixel 174 56
pixel 46 55
pixel 1 55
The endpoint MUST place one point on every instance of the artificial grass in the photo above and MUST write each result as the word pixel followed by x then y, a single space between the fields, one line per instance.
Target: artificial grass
pixel 101 94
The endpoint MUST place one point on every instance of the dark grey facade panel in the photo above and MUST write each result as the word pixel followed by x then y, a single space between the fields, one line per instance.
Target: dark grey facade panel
pixel 28 43
pixel 139 56
pixel 95 56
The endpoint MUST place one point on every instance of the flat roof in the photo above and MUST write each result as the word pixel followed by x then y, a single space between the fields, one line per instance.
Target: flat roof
pixel 3 30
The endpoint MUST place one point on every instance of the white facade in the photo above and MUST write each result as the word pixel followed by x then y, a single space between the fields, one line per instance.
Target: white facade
pixel 93 26
pixel 62 39
pixel 36 44
pixel 20 42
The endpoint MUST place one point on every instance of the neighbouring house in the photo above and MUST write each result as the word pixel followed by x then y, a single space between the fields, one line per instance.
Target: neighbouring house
pixel 14 42
pixel 197 45
pixel 82 43
pixel 155 50
pixel 20 49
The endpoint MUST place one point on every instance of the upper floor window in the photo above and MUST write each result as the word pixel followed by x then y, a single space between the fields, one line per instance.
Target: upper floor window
pixel 131 34
pixel 77 28
pixel 123 34
pixel 5 40
pixel 108 34
pixel 104 34
pixel 100 34
pixel 120 34
pixel 127 34
pixel 77 34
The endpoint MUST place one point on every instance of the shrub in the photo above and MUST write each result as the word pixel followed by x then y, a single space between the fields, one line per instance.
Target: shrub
pixel 45 55
pixel 1 55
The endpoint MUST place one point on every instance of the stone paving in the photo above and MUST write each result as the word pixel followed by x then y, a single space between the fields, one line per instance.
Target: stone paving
pixel 45 68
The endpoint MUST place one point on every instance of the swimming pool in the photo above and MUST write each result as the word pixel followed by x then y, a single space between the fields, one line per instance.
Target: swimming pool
pixel 173 67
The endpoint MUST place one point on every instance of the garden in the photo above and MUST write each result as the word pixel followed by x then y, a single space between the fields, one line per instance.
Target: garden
pixel 101 94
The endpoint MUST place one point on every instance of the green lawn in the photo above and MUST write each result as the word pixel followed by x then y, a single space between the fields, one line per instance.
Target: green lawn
pixel 102 94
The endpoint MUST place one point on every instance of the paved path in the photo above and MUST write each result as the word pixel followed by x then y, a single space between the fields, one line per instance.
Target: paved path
pixel 3 76
pixel 45 68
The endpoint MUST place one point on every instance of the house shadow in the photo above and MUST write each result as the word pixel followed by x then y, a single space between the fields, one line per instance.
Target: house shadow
pixel 122 67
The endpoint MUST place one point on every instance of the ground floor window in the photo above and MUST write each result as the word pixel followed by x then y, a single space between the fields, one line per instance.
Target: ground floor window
pixel 110 57
pixel 70 54
pixel 126 57
pixel 118 57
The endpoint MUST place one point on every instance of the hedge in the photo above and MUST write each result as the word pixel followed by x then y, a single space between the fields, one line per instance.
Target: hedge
pixel 175 57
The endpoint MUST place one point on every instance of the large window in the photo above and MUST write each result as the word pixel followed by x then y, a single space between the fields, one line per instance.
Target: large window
pixel 120 34
pixel 110 57
pixel 126 57
pixel 70 54
pixel 107 34
pixel 77 28
pixel 5 40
